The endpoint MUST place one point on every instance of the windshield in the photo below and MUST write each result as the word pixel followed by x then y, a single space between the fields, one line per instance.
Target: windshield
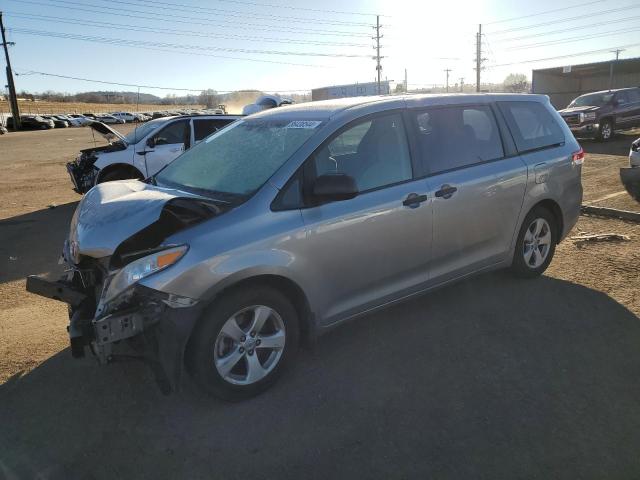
pixel 238 159
pixel 142 131
pixel 592 100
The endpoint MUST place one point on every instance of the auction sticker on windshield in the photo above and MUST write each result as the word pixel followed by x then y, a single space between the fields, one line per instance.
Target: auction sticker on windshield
pixel 304 124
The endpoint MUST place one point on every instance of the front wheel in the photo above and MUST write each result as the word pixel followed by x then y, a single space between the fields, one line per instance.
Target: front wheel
pixel 536 243
pixel 243 343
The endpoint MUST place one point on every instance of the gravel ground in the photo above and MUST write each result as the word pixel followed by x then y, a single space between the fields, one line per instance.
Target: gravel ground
pixel 489 378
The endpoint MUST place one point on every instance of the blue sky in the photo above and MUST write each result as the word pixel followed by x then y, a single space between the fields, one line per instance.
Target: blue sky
pixel 176 43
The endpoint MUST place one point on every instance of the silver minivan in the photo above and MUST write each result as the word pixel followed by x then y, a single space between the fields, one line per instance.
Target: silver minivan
pixel 288 222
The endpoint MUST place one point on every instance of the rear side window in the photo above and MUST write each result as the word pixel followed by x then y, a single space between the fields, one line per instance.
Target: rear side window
pixel 533 127
pixel 204 128
pixel 634 95
pixel 456 137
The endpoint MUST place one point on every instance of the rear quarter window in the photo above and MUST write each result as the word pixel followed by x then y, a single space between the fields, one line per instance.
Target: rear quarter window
pixel 533 127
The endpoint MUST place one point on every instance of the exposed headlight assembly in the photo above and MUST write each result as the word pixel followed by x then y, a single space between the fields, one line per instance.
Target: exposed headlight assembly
pixel 141 268
pixel 587 116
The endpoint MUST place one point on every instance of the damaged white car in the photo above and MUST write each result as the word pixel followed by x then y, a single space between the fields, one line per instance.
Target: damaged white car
pixel 143 152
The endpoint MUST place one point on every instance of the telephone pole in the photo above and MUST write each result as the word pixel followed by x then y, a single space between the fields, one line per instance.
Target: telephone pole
pixel 377 58
pixel 13 99
pixel 478 56
pixel 461 84
pixel 617 52
pixel 447 70
pixel 406 85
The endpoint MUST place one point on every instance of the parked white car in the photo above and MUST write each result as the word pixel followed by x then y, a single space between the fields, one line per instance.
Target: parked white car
pixel 126 116
pixel 84 121
pixel 73 122
pixel 109 119
pixel 630 175
pixel 144 151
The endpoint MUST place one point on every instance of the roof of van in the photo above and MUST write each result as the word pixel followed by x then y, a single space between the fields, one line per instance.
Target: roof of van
pixel 327 108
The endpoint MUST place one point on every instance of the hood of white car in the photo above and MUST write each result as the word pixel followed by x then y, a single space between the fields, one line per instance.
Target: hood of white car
pixel 108 133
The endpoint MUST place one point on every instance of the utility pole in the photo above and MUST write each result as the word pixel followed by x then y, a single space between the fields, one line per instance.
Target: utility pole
pixel 447 70
pixel 461 84
pixel 377 58
pixel 13 99
pixel 406 85
pixel 478 56
pixel 617 52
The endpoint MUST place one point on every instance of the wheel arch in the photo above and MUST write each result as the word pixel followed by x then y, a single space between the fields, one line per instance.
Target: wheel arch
pixel 285 285
pixel 553 207
pixel 125 167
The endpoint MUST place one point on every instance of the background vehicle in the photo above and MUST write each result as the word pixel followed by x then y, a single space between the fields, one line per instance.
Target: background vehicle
pixel 90 116
pixel 143 152
pixel 73 122
pixel 3 130
pixel 126 116
pixel 293 220
pixel 81 119
pixel 57 122
pixel 600 114
pixel 32 122
pixel 266 102
pixel 631 176
pixel 109 119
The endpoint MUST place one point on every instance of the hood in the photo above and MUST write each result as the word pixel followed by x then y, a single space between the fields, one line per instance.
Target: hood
pixel 579 109
pixel 107 132
pixel 128 216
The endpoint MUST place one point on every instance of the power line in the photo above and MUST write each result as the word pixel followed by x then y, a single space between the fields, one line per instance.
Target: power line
pixel 564 56
pixel 31 72
pixel 572 39
pixel 191 33
pixel 564 30
pixel 171 18
pixel 233 13
pixel 135 45
pixel 564 20
pixel 543 13
pixel 143 43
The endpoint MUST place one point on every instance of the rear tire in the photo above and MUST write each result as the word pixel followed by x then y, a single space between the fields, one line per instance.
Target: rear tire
pixel 536 243
pixel 605 131
pixel 230 354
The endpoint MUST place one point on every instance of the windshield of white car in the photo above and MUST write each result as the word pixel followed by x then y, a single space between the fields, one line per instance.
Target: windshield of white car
pixel 239 159
pixel 141 131
pixel 592 100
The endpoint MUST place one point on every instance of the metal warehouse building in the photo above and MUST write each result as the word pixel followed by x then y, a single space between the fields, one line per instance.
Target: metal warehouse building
pixel 353 90
pixel 563 84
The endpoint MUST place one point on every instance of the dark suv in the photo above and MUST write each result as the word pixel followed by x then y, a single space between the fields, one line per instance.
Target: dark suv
pixel 31 122
pixel 598 114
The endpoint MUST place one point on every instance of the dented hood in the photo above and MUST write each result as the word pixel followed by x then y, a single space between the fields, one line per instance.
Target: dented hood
pixel 107 132
pixel 132 213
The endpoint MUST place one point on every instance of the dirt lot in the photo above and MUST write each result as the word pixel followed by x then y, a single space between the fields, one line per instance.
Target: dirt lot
pixel 491 378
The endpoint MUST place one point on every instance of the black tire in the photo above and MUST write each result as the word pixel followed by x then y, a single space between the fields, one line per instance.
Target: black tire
pixel 522 267
pixel 201 349
pixel 119 174
pixel 605 131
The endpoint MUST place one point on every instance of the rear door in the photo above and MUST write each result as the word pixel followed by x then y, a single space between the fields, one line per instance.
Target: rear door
pixel 630 111
pixel 169 142
pixel 477 184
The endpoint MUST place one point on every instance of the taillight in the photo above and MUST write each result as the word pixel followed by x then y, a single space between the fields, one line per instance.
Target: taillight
pixel 578 157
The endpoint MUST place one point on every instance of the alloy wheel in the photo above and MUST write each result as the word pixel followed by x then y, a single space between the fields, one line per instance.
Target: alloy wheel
pixel 537 243
pixel 249 345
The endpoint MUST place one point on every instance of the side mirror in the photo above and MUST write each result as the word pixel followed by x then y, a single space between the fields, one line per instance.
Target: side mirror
pixel 335 186
pixel 151 143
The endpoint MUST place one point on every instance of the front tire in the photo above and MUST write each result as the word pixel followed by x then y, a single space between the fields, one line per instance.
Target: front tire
pixel 536 243
pixel 243 343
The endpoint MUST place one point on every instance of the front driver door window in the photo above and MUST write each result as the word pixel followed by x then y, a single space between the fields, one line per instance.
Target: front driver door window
pixel 373 247
pixel 169 142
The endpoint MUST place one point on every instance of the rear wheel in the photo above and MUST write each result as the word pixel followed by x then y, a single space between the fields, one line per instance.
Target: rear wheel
pixel 120 174
pixel 243 343
pixel 605 131
pixel 536 243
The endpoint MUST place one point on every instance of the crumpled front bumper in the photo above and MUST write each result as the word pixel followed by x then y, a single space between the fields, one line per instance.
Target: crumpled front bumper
pixel 154 327
pixel 82 177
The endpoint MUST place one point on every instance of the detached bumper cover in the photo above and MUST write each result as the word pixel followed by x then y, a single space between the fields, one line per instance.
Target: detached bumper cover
pixel 154 326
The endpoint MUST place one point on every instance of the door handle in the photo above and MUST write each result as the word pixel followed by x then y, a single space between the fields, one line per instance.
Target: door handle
pixel 446 191
pixel 413 200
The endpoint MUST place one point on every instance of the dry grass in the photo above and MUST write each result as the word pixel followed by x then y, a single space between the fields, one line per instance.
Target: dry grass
pixel 28 107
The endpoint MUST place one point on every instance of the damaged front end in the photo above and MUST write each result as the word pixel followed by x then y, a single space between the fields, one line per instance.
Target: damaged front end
pixel 107 253
pixel 82 170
